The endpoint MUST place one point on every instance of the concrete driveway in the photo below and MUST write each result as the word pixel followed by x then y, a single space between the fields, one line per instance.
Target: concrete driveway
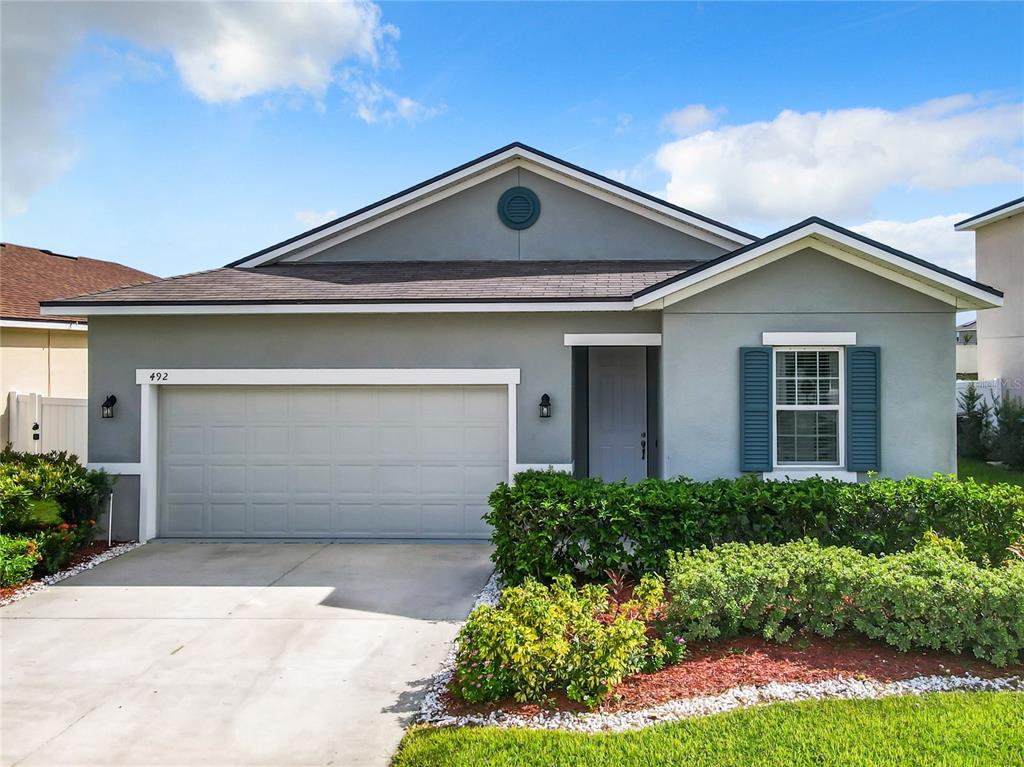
pixel 232 654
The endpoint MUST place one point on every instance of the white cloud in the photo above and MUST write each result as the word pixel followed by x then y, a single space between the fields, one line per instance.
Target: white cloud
pixel 623 123
pixel 373 103
pixel 691 119
pixel 313 218
pixel 835 164
pixel 223 52
pixel 932 239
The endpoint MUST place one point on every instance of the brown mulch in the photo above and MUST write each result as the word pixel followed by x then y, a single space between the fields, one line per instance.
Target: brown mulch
pixel 97 547
pixel 710 668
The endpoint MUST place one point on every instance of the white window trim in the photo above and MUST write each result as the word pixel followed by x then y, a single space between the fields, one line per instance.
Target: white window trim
pixel 612 339
pixel 794 469
pixel 809 339
pixel 151 380
pixel 787 473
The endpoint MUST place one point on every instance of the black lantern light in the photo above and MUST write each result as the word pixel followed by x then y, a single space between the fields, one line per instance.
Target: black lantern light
pixel 545 406
pixel 108 406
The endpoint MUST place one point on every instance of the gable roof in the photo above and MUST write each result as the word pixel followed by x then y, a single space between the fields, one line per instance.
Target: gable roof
pixel 474 172
pixel 914 272
pixel 30 275
pixel 411 282
pixel 990 216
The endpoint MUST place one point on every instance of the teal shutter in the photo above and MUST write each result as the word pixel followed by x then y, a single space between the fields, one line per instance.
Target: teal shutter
pixel 863 411
pixel 755 408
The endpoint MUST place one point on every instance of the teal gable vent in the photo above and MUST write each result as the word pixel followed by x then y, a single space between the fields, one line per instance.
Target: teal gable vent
pixel 518 208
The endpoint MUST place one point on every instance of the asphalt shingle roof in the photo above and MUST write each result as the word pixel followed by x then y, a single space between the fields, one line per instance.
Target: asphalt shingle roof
pixel 382 281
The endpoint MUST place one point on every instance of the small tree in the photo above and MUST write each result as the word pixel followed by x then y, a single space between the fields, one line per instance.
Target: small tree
pixel 1008 442
pixel 974 424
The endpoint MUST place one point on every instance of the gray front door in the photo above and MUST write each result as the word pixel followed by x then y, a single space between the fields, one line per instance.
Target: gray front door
pixel 618 412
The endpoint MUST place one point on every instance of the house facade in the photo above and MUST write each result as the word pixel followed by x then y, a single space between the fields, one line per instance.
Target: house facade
pixel 377 376
pixel 999 259
pixel 47 356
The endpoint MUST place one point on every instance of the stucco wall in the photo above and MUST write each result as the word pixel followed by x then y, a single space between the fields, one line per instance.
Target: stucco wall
pixel 49 362
pixel 1000 263
pixel 572 226
pixel 807 292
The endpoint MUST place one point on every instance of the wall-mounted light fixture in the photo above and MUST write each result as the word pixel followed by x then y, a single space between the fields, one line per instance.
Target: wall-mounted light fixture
pixel 545 406
pixel 108 406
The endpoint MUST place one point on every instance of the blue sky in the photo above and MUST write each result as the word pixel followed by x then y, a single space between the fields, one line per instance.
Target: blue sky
pixel 181 144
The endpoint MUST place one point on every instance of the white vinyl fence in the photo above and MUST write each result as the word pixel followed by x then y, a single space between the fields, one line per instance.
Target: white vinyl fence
pixel 990 391
pixel 40 424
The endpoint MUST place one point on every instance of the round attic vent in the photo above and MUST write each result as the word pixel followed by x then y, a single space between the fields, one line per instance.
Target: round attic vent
pixel 518 208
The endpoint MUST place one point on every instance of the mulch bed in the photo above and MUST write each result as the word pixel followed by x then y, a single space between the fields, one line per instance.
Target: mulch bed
pixel 97 547
pixel 711 668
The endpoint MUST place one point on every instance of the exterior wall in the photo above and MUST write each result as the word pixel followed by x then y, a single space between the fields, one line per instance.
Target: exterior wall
pixel 999 251
pixel 807 292
pixel 572 226
pixel 49 362
pixel 967 359
pixel 532 342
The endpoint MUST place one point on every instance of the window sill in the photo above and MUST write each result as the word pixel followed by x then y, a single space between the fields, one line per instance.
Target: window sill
pixel 784 473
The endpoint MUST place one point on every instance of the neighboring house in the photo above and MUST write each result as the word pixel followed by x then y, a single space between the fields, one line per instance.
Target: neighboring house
pixel 47 355
pixel 999 260
pixel 377 376
pixel 967 351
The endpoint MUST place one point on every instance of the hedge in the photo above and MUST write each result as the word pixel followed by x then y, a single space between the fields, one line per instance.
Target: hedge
pixel 930 598
pixel 548 524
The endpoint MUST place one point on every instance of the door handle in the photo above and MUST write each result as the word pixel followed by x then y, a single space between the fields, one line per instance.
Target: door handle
pixel 643 446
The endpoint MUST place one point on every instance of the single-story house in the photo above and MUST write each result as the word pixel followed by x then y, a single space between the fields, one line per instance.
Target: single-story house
pixel 377 376
pixel 48 355
pixel 967 350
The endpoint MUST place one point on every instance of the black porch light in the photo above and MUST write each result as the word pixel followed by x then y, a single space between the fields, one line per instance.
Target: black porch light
pixel 545 406
pixel 108 406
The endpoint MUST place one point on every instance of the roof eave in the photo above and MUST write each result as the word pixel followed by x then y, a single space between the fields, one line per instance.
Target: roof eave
pixel 998 213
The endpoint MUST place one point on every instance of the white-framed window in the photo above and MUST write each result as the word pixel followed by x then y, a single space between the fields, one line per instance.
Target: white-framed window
pixel 808 409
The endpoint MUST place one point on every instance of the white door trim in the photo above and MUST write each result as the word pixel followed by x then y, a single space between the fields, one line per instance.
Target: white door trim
pixel 612 339
pixel 151 379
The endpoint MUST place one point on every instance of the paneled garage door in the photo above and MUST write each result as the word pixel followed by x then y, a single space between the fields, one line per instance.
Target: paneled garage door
pixel 330 461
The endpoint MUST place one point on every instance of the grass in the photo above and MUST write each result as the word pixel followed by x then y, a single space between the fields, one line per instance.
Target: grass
pixel 938 730
pixel 986 474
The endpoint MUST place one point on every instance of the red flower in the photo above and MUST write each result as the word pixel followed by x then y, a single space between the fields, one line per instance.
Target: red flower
pixel 92 523
pixel 63 526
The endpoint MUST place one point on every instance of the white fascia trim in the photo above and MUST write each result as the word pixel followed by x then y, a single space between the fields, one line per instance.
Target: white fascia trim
pixel 325 376
pixel 809 339
pixel 787 474
pixel 612 339
pixel 44 324
pixel 116 468
pixel 389 308
pixel 921 278
pixel 976 223
pixel 493 166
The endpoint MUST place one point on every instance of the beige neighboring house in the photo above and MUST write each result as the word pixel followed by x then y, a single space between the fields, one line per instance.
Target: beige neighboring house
pixel 47 356
pixel 967 351
pixel 999 257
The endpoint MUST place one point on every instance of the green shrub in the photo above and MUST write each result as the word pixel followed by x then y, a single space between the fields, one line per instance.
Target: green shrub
pixel 18 557
pixel 1008 443
pixel 932 597
pixel 15 504
pixel 544 638
pixel 56 476
pixel 549 524
pixel 57 545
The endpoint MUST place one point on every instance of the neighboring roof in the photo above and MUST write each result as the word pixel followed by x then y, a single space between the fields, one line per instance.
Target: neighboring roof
pixel 30 275
pixel 516 152
pixel 998 213
pixel 916 272
pixel 972 325
pixel 403 281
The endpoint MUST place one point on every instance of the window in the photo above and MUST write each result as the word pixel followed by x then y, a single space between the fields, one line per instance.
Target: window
pixel 808 407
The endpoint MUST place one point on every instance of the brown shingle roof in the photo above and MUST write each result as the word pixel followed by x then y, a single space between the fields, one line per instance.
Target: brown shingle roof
pixel 401 281
pixel 30 275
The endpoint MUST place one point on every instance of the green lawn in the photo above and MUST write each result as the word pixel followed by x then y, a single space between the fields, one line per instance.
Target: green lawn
pixel 988 475
pixel 939 730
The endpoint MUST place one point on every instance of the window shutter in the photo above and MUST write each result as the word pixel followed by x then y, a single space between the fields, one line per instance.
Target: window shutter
pixel 863 412
pixel 755 408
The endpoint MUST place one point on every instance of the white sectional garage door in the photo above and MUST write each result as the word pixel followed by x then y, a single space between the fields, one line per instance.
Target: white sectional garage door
pixel 330 461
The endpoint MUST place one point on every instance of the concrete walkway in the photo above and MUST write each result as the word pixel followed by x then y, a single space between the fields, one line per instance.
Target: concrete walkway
pixel 232 654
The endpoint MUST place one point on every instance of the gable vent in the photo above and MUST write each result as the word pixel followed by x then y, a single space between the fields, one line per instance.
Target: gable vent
pixel 518 207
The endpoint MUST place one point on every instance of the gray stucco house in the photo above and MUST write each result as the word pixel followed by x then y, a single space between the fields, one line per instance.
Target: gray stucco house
pixel 375 377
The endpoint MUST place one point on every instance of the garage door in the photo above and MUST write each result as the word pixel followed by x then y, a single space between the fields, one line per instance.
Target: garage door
pixel 345 461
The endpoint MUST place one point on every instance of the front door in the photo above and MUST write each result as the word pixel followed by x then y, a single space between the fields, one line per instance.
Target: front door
pixel 618 412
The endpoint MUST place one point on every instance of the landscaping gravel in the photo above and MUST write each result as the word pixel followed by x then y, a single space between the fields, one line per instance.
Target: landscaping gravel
pixel 46 581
